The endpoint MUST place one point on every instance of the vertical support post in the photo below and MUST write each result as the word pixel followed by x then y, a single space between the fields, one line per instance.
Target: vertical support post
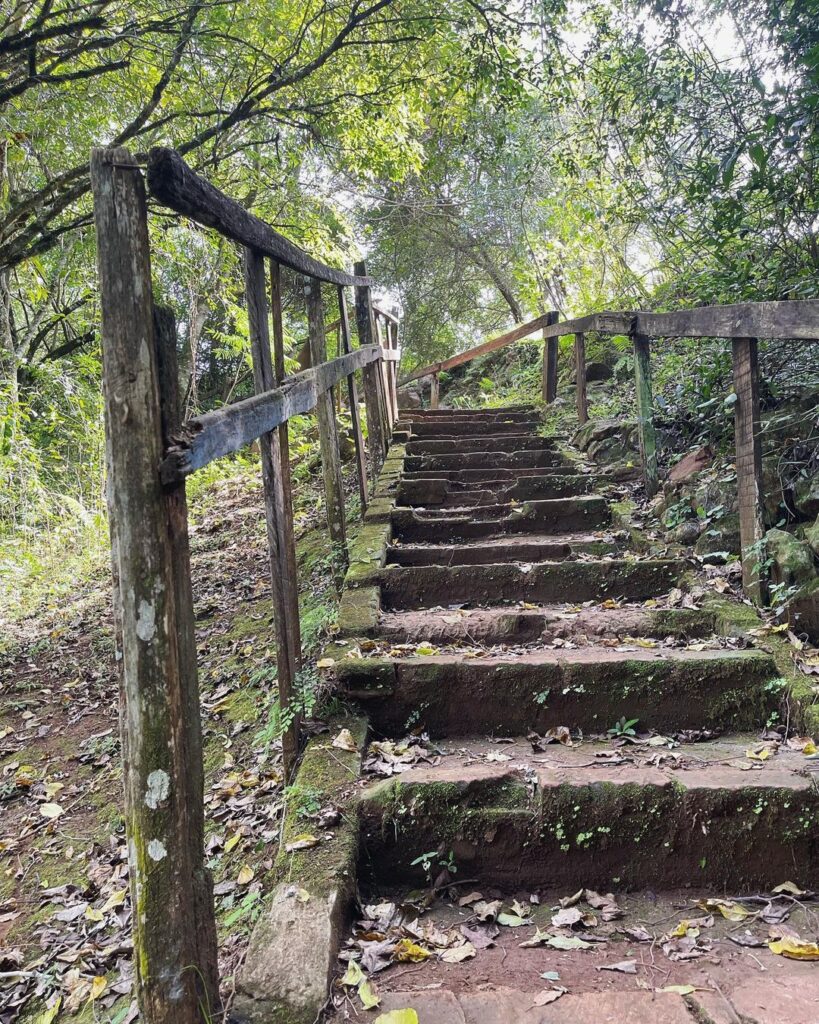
pixel 328 435
pixel 393 336
pixel 291 577
pixel 173 919
pixel 580 375
pixel 434 391
pixel 383 331
pixel 549 387
pixel 749 465
pixel 276 505
pixel 645 413
pixel 370 373
pixel 352 394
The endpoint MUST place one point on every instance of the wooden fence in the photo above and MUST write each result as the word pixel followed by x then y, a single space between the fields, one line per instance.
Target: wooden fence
pixel 743 324
pixel 149 455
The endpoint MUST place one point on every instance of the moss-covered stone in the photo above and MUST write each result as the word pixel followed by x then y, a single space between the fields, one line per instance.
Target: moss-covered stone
pixel 359 611
pixel 293 949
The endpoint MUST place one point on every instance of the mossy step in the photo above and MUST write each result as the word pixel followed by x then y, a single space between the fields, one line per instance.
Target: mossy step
pixel 468 478
pixel 544 623
pixel 574 817
pixel 486 460
pixel 444 493
pixel 524 548
pixel 431 585
pixel 588 688
pixel 556 515
pixel 501 442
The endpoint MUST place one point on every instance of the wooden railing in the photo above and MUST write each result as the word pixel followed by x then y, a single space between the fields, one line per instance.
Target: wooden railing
pixel 743 324
pixel 149 455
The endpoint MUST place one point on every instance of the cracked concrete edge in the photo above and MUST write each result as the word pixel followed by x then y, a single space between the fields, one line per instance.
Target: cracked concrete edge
pixel 293 949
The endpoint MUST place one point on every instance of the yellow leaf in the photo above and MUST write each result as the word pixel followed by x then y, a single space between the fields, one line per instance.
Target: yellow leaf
pixel 729 910
pixel 234 839
pixel 794 949
pixel 408 1016
pixel 809 748
pixel 759 755
pixel 53 788
pixel 368 995
pixel 353 975
pixel 302 842
pixel 116 899
pixel 94 915
pixel 408 951
pixel 681 990
pixel 245 874
pixel 98 986
pixel 789 887
pixel 345 741
pixel 49 1015
pixel 50 810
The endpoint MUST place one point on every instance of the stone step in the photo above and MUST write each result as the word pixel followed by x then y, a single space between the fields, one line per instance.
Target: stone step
pixel 487 460
pixel 544 623
pixel 426 491
pixel 486 442
pixel 459 430
pixel 598 815
pixel 469 477
pixel 589 688
pixel 432 585
pixel 559 515
pixel 503 982
pixel 525 548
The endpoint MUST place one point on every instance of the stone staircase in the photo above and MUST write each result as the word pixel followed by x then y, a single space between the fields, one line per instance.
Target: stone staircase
pixel 506 608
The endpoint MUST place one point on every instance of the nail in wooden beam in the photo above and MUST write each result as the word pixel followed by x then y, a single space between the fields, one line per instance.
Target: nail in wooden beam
pixel 377 439
pixel 355 412
pixel 549 388
pixel 172 916
pixel 749 466
pixel 277 508
pixel 434 391
pixel 580 371
pixel 328 433
pixel 645 413
pixel 291 578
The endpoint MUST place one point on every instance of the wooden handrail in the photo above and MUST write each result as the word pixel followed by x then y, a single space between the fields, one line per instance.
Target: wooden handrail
pixel 204 438
pixel 797 319
pixel 174 184
pixel 604 322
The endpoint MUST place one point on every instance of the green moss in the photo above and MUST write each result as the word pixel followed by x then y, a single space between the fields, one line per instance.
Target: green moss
pixel 323 777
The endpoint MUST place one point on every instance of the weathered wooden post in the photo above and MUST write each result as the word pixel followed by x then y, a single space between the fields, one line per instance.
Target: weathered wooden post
pixel 384 366
pixel 352 394
pixel 645 412
pixel 549 387
pixel 277 505
pixel 172 904
pixel 749 466
pixel 291 582
pixel 394 367
pixel 366 336
pixel 328 433
pixel 580 373
pixel 434 391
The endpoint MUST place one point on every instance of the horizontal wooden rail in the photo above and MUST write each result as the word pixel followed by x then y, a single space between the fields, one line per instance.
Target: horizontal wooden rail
pixel 174 184
pixel 204 438
pixel 604 322
pixel 797 319
pixel 794 319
